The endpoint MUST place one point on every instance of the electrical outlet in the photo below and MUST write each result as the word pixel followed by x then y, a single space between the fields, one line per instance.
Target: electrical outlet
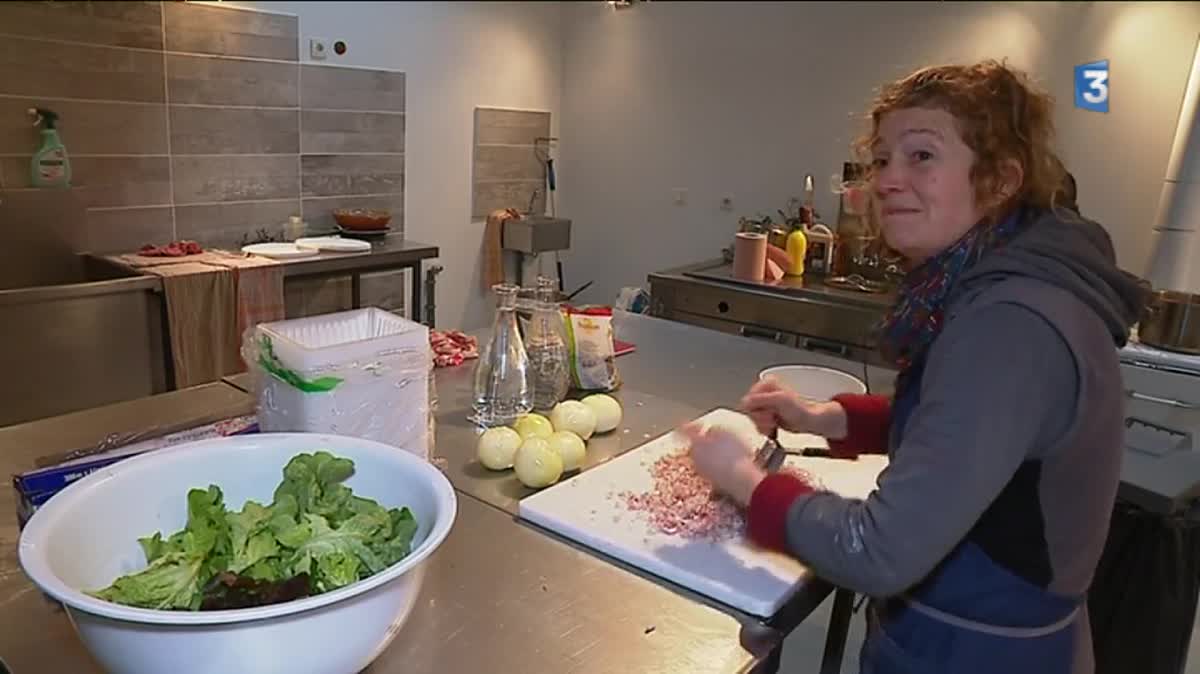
pixel 679 195
pixel 727 202
pixel 318 48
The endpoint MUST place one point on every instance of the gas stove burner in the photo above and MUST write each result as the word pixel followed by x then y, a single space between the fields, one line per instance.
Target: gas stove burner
pixel 856 283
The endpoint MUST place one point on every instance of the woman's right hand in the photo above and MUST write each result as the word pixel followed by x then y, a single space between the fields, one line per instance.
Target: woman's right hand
pixel 772 405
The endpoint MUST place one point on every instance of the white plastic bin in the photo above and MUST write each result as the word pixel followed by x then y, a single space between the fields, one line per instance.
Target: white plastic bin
pixel 362 373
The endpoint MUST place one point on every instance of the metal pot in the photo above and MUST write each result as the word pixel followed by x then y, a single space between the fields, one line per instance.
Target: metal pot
pixel 1171 321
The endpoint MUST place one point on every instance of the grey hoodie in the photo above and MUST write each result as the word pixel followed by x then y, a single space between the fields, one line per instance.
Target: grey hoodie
pixel 1024 371
pixel 1069 252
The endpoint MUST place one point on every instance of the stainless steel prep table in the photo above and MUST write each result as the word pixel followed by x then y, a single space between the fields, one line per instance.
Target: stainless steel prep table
pixel 498 596
pixel 802 312
pixel 677 373
pixel 387 253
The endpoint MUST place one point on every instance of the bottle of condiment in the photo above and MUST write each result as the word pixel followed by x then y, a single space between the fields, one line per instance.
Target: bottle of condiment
pixel 797 248
pixel 819 257
pixel 778 236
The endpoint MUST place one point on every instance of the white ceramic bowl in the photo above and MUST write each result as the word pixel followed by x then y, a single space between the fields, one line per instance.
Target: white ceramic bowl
pixel 815 383
pixel 86 536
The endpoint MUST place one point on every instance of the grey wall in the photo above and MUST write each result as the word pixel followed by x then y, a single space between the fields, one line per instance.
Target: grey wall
pixel 190 121
pixel 744 98
pixel 457 56
pixel 506 172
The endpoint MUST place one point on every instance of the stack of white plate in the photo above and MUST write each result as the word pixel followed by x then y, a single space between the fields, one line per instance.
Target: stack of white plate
pixel 308 246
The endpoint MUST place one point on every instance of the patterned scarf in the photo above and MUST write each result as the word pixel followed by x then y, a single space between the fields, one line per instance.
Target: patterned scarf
pixel 917 317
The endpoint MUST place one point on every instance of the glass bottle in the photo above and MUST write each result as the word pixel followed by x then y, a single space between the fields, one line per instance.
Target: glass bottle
pixel 546 343
pixel 502 391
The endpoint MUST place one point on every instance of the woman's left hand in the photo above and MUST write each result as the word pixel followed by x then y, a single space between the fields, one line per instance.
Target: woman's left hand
pixel 724 459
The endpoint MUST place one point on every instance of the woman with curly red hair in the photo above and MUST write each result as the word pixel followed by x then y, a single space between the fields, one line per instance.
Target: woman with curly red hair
pixel 1004 433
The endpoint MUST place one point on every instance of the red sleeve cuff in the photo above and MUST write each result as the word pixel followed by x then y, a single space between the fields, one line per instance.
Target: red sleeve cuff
pixel 766 518
pixel 868 420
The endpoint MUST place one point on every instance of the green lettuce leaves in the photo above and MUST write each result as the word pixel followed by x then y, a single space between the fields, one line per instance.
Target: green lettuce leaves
pixel 314 526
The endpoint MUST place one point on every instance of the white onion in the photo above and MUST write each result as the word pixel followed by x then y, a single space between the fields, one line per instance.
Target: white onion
pixel 574 416
pixel 497 447
pixel 607 411
pixel 536 464
pixel 533 425
pixel 570 447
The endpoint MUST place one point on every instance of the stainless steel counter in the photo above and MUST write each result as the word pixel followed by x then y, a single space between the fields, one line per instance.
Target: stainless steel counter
pixel 36 635
pixel 498 595
pixel 387 252
pixel 677 373
pixel 811 287
pixel 501 597
pixel 708 368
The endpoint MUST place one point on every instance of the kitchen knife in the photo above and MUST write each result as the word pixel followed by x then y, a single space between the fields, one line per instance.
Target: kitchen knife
pixel 770 456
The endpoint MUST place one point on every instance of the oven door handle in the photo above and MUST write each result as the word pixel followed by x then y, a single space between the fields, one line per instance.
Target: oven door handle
pixel 824 345
pixel 1163 401
pixel 775 336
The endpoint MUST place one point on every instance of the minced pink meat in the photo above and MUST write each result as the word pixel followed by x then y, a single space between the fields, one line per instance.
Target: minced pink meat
pixel 683 503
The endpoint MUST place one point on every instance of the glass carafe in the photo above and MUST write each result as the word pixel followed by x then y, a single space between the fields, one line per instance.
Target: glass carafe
pixel 502 391
pixel 546 344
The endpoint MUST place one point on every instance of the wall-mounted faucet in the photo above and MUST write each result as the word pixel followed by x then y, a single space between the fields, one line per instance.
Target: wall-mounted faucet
pixel 533 200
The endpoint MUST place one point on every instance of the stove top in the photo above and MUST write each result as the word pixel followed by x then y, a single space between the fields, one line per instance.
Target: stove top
pixel 866 294
pixel 1136 353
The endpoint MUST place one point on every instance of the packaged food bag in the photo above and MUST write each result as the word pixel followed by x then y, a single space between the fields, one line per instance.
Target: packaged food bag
pixel 590 349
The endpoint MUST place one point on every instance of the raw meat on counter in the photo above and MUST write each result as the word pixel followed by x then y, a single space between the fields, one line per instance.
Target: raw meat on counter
pixel 452 347
pixel 173 249
pixel 681 502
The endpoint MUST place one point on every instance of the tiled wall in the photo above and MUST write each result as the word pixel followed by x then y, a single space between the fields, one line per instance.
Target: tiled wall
pixel 506 172
pixel 190 121
pixel 222 133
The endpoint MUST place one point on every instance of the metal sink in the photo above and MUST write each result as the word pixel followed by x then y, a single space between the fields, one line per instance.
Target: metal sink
pixel 78 331
pixel 82 276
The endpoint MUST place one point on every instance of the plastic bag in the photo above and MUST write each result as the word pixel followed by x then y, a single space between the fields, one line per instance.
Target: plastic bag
pixel 633 300
pixel 363 373
pixel 590 349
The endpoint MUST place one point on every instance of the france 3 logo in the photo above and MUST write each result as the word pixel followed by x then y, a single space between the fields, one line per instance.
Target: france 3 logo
pixel 1091 86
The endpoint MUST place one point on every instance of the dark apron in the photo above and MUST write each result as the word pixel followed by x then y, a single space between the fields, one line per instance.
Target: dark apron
pixel 970 616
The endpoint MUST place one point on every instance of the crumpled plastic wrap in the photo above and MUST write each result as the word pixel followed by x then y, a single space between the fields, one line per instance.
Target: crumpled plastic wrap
pixel 387 396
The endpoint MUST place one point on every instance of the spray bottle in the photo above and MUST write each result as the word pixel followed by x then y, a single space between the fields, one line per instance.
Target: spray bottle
pixel 51 167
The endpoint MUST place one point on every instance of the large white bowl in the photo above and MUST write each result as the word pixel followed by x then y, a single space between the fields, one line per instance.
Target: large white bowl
pixel 86 536
pixel 815 383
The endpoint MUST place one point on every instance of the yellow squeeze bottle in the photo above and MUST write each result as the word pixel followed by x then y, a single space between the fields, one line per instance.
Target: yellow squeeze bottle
pixel 797 247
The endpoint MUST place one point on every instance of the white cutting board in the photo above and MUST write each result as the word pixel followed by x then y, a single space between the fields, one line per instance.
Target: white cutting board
pixel 588 510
